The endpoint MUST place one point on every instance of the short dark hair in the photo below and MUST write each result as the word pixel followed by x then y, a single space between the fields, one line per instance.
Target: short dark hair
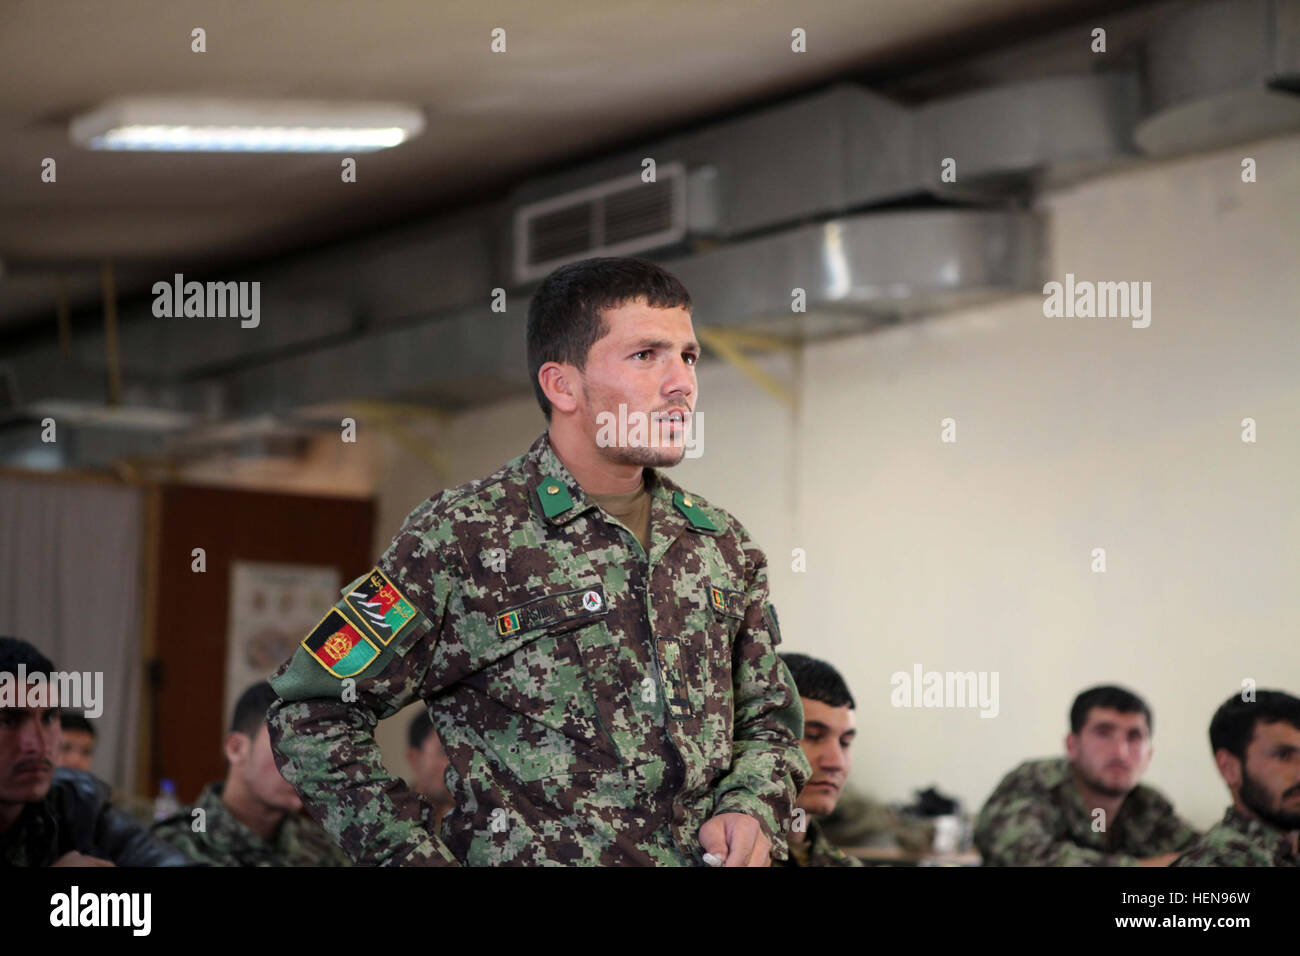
pixel 1233 725
pixel 818 681
pixel 70 720
pixel 1112 698
pixel 564 315
pixel 251 708
pixel 14 652
pixel 417 732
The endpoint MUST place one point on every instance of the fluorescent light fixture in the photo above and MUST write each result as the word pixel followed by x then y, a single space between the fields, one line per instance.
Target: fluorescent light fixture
pixel 232 126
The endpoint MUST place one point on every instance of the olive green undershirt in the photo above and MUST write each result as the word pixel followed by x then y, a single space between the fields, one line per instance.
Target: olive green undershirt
pixel 633 509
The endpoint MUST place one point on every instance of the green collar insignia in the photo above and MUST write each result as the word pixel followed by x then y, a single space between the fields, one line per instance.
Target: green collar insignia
pixel 554 497
pixel 693 512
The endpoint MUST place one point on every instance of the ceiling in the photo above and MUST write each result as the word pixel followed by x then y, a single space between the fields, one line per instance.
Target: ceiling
pixel 576 78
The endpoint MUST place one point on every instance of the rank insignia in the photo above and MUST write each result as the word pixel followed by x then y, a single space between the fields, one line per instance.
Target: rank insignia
pixel 693 513
pixel 339 647
pixel 380 606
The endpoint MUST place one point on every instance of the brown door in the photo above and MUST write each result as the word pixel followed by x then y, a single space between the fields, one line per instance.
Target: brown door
pixel 190 610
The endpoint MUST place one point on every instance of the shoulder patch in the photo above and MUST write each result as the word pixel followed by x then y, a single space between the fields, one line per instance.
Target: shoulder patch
pixel 379 605
pixel 338 646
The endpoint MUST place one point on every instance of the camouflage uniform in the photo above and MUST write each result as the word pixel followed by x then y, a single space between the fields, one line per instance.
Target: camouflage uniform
pixel 597 704
pixel 1239 841
pixel 1036 817
pixel 225 841
pixel 821 852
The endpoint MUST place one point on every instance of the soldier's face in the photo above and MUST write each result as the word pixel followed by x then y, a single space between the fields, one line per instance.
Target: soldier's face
pixel 1112 750
pixel 77 750
pixel 646 364
pixel 262 776
pixel 827 734
pixel 1270 781
pixel 429 766
pixel 29 742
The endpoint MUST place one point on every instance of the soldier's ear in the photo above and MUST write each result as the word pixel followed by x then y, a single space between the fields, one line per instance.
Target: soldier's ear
pixel 1072 746
pixel 560 386
pixel 238 747
pixel 1229 768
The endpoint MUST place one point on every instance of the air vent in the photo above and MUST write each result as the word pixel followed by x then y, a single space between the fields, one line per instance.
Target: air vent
pixel 618 217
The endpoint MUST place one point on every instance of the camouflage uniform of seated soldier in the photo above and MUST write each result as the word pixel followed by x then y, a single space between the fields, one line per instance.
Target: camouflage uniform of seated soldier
pixel 1086 809
pixel 253 818
pixel 1256 744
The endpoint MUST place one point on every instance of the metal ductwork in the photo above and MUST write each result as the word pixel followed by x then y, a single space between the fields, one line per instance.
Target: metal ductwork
pixel 841 194
pixel 1220 73
pixel 859 271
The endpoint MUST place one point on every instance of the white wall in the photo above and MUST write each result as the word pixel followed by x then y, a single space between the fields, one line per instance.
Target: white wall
pixel 1072 434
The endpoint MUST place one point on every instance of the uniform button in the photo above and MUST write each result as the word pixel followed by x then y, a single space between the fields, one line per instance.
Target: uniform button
pixel 687 501
pixel 552 489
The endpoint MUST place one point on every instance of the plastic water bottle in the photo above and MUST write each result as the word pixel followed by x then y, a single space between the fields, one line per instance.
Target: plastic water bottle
pixel 165 804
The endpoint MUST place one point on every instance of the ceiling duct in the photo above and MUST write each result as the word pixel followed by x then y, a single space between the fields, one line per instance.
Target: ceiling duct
pixel 1222 72
pixel 863 270
pixel 619 217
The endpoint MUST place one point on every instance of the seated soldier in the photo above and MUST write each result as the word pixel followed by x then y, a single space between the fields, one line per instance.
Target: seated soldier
pixel 253 818
pixel 56 816
pixel 827 734
pixel 428 765
pixel 77 749
pixel 1086 809
pixel 1256 746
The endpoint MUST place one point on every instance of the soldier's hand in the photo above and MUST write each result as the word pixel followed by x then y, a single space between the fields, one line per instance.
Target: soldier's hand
pixel 737 838
pixel 73 858
pixel 1163 859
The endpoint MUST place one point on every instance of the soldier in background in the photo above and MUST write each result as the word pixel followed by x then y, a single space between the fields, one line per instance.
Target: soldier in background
pixel 428 760
pixel 1086 809
pixel 77 747
pixel 1256 746
pixel 252 818
pixel 828 732
pixel 595 645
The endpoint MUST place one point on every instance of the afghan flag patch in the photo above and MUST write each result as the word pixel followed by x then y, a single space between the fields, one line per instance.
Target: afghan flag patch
pixel 339 647
pixel 728 603
pixel 380 606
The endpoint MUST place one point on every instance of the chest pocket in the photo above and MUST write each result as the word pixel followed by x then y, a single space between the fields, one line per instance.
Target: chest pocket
pixel 544 720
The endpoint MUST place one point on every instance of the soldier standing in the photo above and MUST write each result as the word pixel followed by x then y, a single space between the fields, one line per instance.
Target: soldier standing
pixel 595 645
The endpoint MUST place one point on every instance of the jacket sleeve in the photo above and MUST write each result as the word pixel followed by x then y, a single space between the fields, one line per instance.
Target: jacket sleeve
pixel 127 843
pixel 768 767
pixel 322 726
